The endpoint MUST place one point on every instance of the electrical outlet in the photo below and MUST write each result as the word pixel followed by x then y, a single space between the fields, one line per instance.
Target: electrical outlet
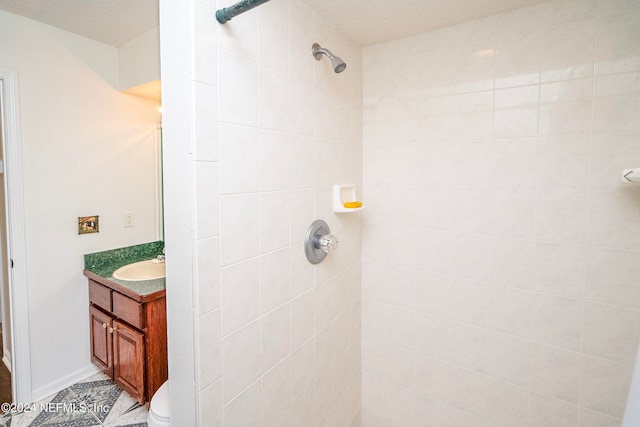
pixel 129 219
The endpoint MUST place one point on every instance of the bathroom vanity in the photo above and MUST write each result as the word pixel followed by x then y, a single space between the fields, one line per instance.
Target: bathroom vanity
pixel 128 331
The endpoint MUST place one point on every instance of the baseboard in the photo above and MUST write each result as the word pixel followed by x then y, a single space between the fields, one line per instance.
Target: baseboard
pixel 6 359
pixel 56 386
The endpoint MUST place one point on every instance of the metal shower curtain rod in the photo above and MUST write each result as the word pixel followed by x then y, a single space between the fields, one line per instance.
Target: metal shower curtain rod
pixel 225 14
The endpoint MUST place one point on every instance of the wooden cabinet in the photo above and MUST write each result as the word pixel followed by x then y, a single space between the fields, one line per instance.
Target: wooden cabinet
pixel 128 336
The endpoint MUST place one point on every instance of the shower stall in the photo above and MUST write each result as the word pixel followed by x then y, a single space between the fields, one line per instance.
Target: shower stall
pixel 487 279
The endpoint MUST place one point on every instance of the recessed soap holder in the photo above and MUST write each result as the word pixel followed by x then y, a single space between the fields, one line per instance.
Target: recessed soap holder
pixel 345 199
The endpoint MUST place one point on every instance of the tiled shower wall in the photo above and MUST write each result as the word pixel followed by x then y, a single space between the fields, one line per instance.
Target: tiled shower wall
pixel 501 252
pixel 288 129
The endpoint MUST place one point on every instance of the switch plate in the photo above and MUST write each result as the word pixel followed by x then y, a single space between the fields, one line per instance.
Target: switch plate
pixel 129 219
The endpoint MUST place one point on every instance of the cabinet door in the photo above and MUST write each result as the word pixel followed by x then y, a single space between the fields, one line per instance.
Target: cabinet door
pixel 101 340
pixel 128 359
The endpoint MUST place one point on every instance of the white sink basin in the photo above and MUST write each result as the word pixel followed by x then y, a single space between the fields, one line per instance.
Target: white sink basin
pixel 143 270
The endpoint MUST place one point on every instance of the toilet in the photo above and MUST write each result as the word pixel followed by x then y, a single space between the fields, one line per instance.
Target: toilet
pixel 159 414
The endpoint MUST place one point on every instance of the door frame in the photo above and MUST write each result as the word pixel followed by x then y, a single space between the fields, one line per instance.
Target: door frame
pixel 16 239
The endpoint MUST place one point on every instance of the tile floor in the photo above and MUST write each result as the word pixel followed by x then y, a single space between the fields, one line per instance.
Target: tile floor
pixel 93 402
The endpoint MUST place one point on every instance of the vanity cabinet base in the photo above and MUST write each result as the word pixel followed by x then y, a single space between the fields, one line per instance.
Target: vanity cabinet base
pixel 129 339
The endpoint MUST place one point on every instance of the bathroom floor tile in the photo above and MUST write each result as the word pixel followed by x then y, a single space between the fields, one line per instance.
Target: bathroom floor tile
pixel 93 402
pixel 62 409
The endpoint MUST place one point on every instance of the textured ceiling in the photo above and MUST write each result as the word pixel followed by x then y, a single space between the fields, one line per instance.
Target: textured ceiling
pixel 113 22
pixel 369 22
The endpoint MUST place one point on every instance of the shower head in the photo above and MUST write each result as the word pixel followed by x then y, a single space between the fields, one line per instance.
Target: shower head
pixel 338 64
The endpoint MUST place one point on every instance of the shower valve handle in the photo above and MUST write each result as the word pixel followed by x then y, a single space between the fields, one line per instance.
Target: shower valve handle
pixel 327 243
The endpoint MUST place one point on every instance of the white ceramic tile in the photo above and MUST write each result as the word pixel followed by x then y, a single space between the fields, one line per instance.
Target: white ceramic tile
pixel 325 350
pixel 610 155
pixel 239 156
pixel 614 106
pixel 507 359
pixel 274 280
pixel 607 274
pixel 590 418
pixel 240 287
pixel 276 392
pixel 474 69
pixel 273 99
pixel 512 213
pixel 210 406
pixel 611 332
pixel 239 230
pixel 613 220
pixel 208 274
pixel 473 256
pixel 240 361
pixel 301 37
pixel 468 302
pixel 556 321
pixel 274 161
pixel 325 303
pixel 514 163
pixel 559 269
pixel 518 60
pixel 399 366
pixel 241 37
pixel 205 122
pixel 273 33
pixel 555 372
pixel 561 216
pixel 274 221
pixel 301 162
pixel 302 408
pixel 605 385
pixel 563 162
pixel 515 123
pixel 567 51
pixel 303 368
pixel 507 405
pixel 566 107
pixel 551 412
pixel 206 175
pixel 204 46
pixel 302 318
pixel 467 347
pixel 238 93
pixel 209 348
pixel 509 311
pixel 301 271
pixel 244 410
pixel 512 263
pixel 324 395
pixel 275 331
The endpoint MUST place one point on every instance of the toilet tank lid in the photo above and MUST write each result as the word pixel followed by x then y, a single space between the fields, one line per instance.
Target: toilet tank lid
pixel 160 401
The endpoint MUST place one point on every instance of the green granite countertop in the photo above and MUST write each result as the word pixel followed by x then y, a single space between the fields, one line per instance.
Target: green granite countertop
pixel 105 263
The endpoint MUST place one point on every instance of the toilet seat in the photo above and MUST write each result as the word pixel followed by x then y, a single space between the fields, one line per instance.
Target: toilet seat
pixel 159 408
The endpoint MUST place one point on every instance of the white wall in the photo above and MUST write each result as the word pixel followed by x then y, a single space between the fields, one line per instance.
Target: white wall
pixel 87 150
pixel 139 64
pixel 256 132
pixel 500 249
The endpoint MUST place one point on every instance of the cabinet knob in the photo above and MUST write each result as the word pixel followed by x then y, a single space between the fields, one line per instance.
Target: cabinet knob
pixel 112 330
pixel 104 325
